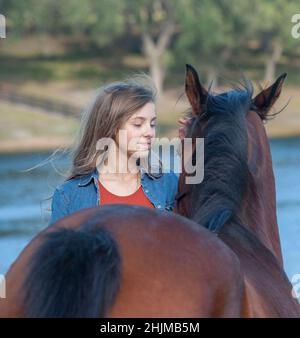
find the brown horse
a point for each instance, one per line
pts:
(237, 197)
(223, 259)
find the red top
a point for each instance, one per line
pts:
(137, 198)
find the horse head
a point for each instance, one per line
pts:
(238, 180)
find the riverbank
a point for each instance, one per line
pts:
(43, 144)
(33, 145)
(24, 128)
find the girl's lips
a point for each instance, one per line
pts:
(144, 143)
(143, 146)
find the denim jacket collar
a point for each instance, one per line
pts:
(94, 176)
(86, 179)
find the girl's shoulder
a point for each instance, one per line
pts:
(71, 185)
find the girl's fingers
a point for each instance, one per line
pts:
(181, 133)
(184, 120)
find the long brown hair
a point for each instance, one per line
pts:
(113, 105)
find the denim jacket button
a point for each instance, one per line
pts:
(159, 206)
(146, 190)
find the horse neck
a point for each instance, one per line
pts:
(259, 202)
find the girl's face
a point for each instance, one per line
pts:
(140, 128)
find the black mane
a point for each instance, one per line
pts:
(217, 199)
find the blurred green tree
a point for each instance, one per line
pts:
(212, 32)
(271, 26)
(155, 22)
(209, 34)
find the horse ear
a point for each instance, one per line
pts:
(195, 92)
(267, 97)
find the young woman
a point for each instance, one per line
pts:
(97, 175)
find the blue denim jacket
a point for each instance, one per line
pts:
(83, 192)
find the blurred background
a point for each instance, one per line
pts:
(57, 53)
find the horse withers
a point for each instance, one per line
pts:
(124, 261)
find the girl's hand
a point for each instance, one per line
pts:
(184, 121)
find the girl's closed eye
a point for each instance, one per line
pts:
(153, 125)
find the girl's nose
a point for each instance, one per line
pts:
(149, 131)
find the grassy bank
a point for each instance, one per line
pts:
(28, 129)
(72, 78)
(24, 128)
